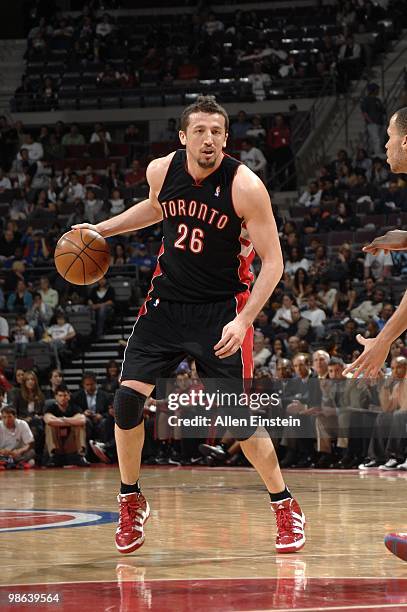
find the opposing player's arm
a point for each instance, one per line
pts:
(145, 213)
(252, 204)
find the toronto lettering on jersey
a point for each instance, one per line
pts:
(197, 210)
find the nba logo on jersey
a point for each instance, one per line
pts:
(217, 191)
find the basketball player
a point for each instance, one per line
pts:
(216, 213)
(376, 349)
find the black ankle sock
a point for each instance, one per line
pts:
(276, 497)
(125, 489)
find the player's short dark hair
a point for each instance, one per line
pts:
(203, 104)
(62, 388)
(401, 120)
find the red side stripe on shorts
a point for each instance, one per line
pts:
(157, 272)
(246, 349)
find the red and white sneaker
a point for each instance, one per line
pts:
(396, 543)
(134, 511)
(290, 526)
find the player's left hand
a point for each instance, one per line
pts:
(371, 360)
(232, 337)
(394, 240)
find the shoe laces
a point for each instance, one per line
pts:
(284, 519)
(129, 513)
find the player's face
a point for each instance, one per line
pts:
(205, 137)
(396, 148)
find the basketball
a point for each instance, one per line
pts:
(82, 256)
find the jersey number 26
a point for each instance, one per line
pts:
(193, 237)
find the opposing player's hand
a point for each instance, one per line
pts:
(371, 360)
(88, 226)
(394, 240)
(232, 337)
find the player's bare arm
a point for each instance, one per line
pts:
(143, 214)
(252, 203)
(394, 240)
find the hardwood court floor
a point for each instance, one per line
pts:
(209, 541)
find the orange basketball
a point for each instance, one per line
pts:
(82, 256)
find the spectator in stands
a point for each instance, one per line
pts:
(117, 204)
(349, 60)
(379, 266)
(345, 298)
(28, 402)
(19, 300)
(8, 244)
(56, 378)
(16, 441)
(119, 257)
(380, 173)
(54, 150)
(136, 176)
(104, 28)
(295, 260)
(369, 308)
(100, 133)
(212, 24)
(320, 265)
(48, 95)
(363, 162)
(109, 77)
(261, 323)
(49, 295)
(253, 158)
(278, 352)
(115, 177)
(348, 341)
(101, 300)
(132, 134)
(59, 336)
(111, 381)
(261, 353)
(374, 114)
(257, 132)
(94, 208)
(170, 133)
(387, 443)
(65, 431)
(21, 334)
(384, 315)
(393, 198)
(239, 128)
(289, 67)
(35, 149)
(315, 315)
(259, 81)
(326, 295)
(301, 286)
(312, 196)
(73, 189)
(94, 404)
(4, 331)
(283, 317)
(279, 146)
(300, 326)
(73, 137)
(39, 315)
(5, 182)
(145, 262)
(36, 251)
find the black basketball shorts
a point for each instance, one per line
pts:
(166, 332)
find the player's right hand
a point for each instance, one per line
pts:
(394, 240)
(88, 226)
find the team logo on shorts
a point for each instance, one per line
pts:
(217, 191)
(23, 520)
(156, 302)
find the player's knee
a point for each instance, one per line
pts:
(128, 407)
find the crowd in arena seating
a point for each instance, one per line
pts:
(98, 58)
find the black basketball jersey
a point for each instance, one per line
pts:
(206, 251)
